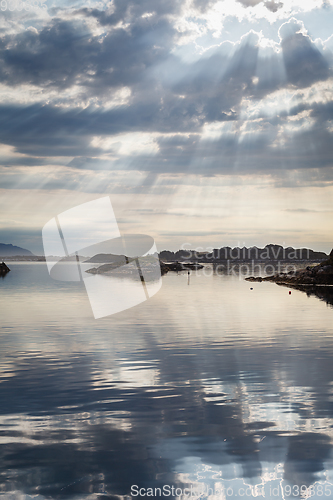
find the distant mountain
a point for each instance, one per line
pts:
(11, 250)
(268, 253)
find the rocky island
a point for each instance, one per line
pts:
(3, 269)
(117, 262)
(320, 274)
(270, 253)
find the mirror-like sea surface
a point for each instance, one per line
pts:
(208, 389)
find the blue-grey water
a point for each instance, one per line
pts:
(209, 388)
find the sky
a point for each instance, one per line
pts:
(208, 123)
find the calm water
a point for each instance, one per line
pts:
(210, 386)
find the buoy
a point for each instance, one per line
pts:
(289, 293)
(251, 288)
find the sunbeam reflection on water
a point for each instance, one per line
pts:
(208, 386)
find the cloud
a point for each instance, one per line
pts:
(303, 61)
(249, 3)
(119, 58)
(271, 5)
(298, 138)
(207, 117)
(28, 161)
(130, 10)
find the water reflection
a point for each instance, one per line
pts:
(209, 384)
(324, 293)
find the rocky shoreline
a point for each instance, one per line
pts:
(318, 275)
(3, 269)
(179, 266)
(149, 265)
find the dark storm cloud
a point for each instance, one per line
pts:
(65, 53)
(233, 155)
(28, 161)
(214, 86)
(128, 11)
(208, 96)
(42, 130)
(167, 96)
(304, 63)
(46, 130)
(54, 56)
(322, 112)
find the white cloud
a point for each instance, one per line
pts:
(128, 144)
(215, 130)
(291, 27)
